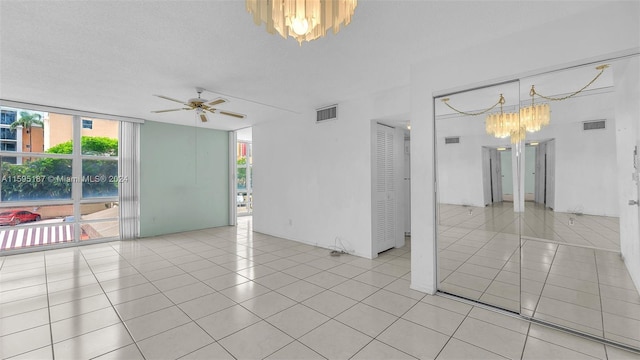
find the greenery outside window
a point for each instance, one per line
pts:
(60, 171)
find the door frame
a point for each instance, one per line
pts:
(492, 175)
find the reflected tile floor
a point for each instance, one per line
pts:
(581, 288)
(231, 293)
(572, 228)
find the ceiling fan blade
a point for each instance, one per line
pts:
(170, 99)
(239, 116)
(217, 101)
(203, 117)
(162, 111)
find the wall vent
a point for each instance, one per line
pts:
(452, 140)
(327, 113)
(594, 125)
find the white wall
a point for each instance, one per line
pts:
(627, 83)
(312, 182)
(460, 165)
(610, 28)
(586, 176)
(585, 161)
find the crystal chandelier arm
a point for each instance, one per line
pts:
(500, 102)
(601, 68)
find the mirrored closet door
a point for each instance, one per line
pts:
(576, 228)
(477, 182)
(537, 197)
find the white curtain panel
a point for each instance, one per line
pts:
(129, 152)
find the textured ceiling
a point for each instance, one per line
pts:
(111, 56)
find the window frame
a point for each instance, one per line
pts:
(76, 199)
(87, 124)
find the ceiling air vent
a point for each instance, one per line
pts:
(594, 125)
(327, 113)
(452, 140)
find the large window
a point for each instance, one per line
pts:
(60, 179)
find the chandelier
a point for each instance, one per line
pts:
(304, 20)
(502, 125)
(530, 118)
(536, 116)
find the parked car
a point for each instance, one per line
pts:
(15, 217)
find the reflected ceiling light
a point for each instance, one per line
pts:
(536, 116)
(304, 20)
(501, 149)
(533, 143)
(530, 118)
(502, 125)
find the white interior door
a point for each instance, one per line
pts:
(637, 180)
(385, 217)
(486, 176)
(506, 175)
(529, 173)
(496, 176)
(406, 180)
(550, 186)
(491, 176)
(541, 155)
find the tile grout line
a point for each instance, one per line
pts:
(111, 303)
(526, 339)
(275, 290)
(276, 271)
(454, 332)
(334, 317)
(546, 279)
(375, 338)
(595, 259)
(173, 304)
(237, 303)
(46, 278)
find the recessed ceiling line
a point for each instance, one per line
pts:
(253, 101)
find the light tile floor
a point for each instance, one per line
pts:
(226, 293)
(560, 281)
(537, 222)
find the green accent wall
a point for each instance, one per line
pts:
(184, 178)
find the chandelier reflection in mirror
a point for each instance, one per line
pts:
(304, 20)
(530, 118)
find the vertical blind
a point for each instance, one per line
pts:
(129, 150)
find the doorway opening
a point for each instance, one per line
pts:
(543, 163)
(390, 190)
(539, 173)
(244, 172)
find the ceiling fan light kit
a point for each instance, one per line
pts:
(304, 20)
(201, 106)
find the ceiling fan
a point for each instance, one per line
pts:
(201, 106)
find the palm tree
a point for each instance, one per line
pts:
(27, 120)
